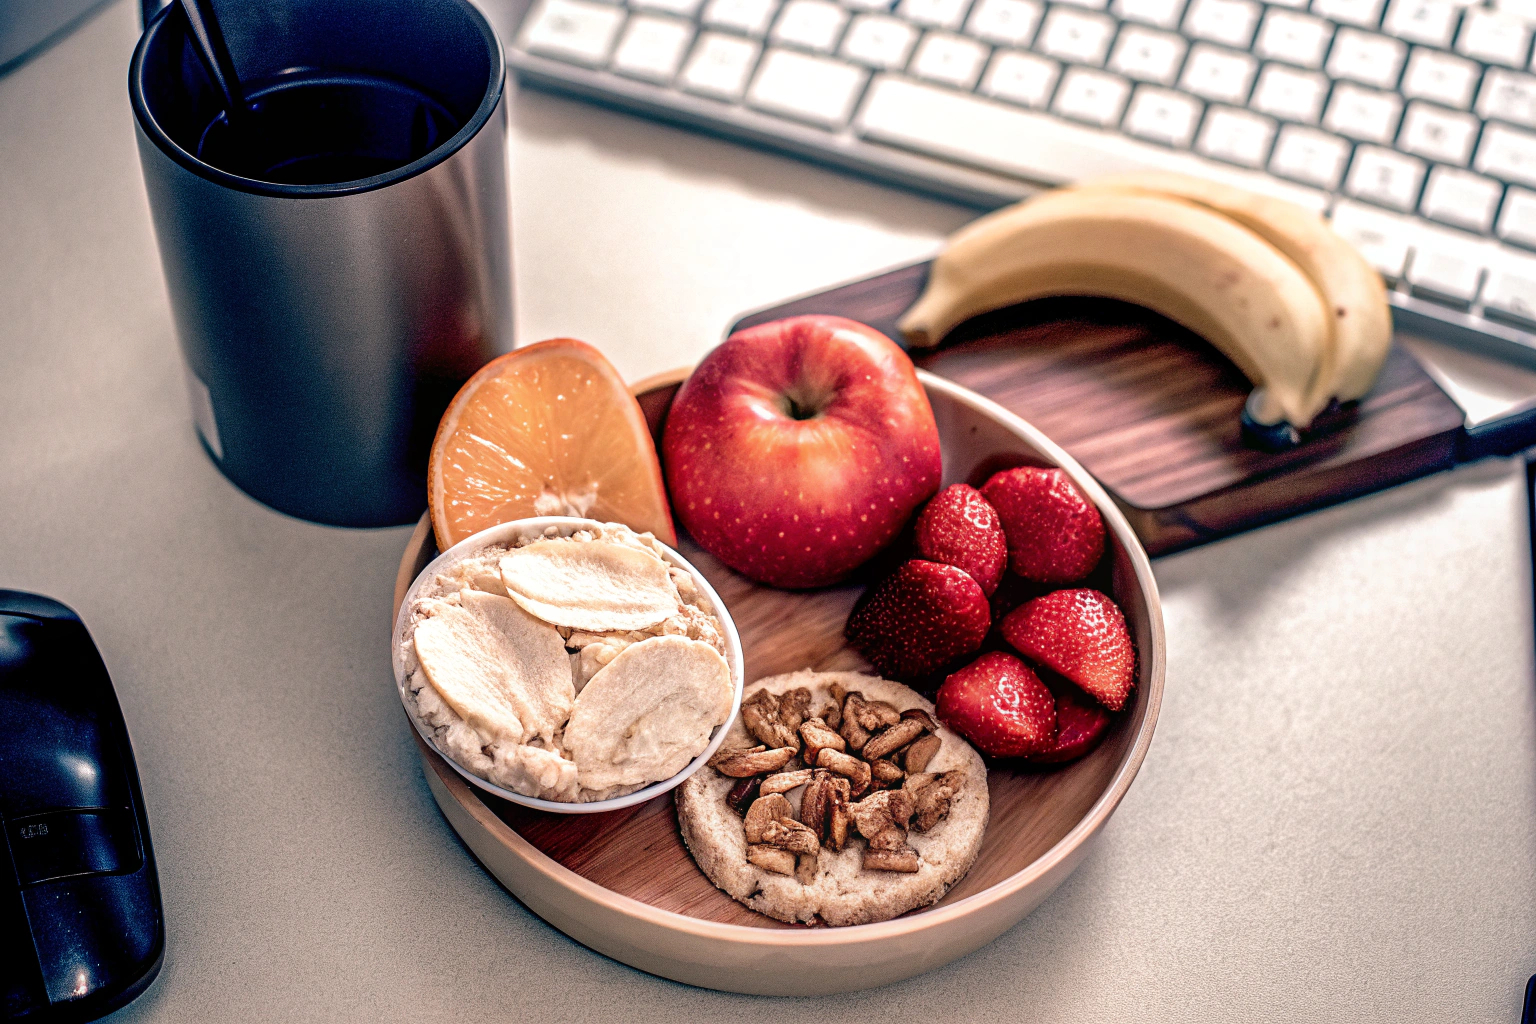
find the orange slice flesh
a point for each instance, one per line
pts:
(545, 430)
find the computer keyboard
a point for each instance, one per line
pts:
(1411, 123)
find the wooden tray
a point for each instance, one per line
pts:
(1152, 411)
(622, 882)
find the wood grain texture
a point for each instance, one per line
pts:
(638, 852)
(1152, 411)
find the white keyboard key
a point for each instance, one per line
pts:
(1384, 176)
(1362, 114)
(1221, 75)
(1431, 22)
(1091, 96)
(934, 13)
(1508, 96)
(1146, 55)
(1229, 22)
(1310, 156)
(719, 66)
(1289, 94)
(1365, 13)
(1162, 115)
(952, 60)
(1461, 198)
(1032, 144)
(1023, 78)
(1294, 38)
(652, 47)
(878, 6)
(1075, 36)
(572, 30)
(1508, 154)
(879, 41)
(1440, 77)
(1513, 295)
(1366, 58)
(1157, 13)
(1092, 5)
(1439, 134)
(1381, 238)
(681, 8)
(1517, 222)
(1444, 276)
(1494, 37)
(748, 16)
(813, 24)
(1004, 22)
(814, 89)
(1236, 136)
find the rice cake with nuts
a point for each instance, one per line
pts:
(841, 891)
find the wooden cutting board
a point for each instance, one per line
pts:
(1152, 411)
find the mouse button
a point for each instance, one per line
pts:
(96, 937)
(21, 979)
(45, 847)
(57, 720)
(19, 602)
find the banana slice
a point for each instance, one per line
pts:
(1197, 267)
(1353, 292)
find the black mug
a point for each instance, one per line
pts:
(339, 259)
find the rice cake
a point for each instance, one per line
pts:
(841, 892)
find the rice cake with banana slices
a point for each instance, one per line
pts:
(837, 889)
(497, 684)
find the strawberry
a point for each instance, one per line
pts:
(1080, 724)
(1080, 634)
(998, 704)
(919, 619)
(960, 528)
(1054, 533)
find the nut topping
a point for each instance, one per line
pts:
(885, 774)
(743, 793)
(931, 796)
(892, 860)
(921, 752)
(832, 714)
(769, 859)
(794, 707)
(740, 765)
(789, 834)
(783, 782)
(813, 802)
(817, 736)
(837, 816)
(765, 810)
(888, 839)
(857, 772)
(893, 739)
(760, 714)
(721, 755)
(929, 725)
(872, 714)
(889, 808)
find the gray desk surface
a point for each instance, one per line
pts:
(1337, 820)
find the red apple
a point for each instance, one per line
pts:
(800, 448)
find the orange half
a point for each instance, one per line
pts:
(545, 430)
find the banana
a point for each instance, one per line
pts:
(1196, 266)
(1351, 288)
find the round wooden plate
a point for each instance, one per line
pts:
(624, 884)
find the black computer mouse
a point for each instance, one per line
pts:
(81, 928)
